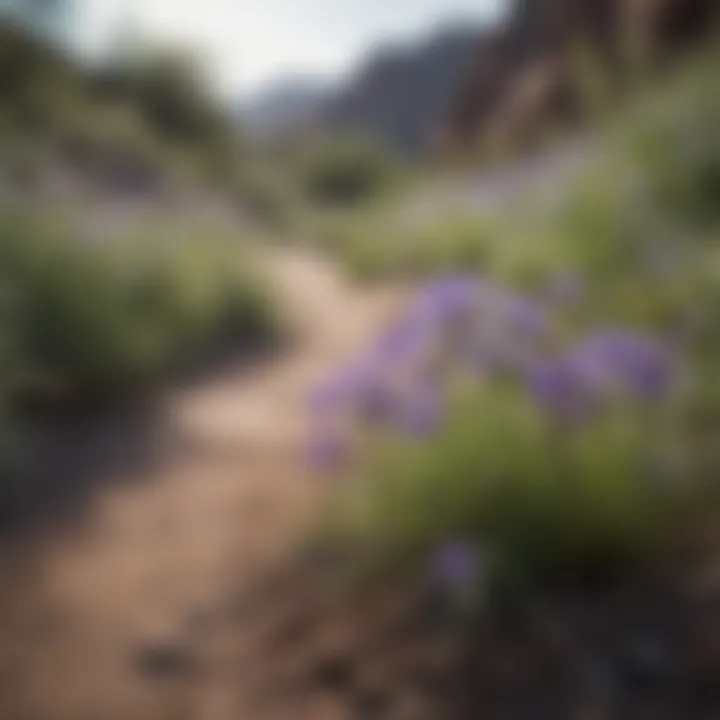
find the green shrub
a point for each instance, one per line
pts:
(96, 320)
(265, 197)
(377, 249)
(674, 137)
(547, 505)
(548, 502)
(344, 173)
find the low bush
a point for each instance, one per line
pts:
(567, 431)
(96, 319)
(86, 321)
(342, 173)
(376, 249)
(545, 505)
(265, 197)
(489, 421)
(674, 137)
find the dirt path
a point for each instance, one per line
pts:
(116, 617)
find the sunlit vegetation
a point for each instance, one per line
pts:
(547, 410)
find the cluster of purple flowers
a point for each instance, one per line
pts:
(466, 327)
(401, 381)
(462, 323)
(609, 364)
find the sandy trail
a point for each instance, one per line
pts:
(110, 618)
(122, 614)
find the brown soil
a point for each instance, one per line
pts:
(120, 610)
(175, 591)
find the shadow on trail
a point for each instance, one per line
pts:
(69, 453)
(61, 463)
(639, 649)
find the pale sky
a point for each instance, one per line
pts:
(250, 43)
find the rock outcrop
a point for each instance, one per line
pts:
(526, 76)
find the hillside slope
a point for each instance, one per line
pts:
(402, 94)
(527, 74)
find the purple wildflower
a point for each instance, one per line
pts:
(639, 363)
(649, 373)
(362, 387)
(403, 341)
(560, 386)
(332, 395)
(449, 297)
(526, 316)
(376, 399)
(455, 564)
(328, 450)
(458, 321)
(593, 368)
(422, 413)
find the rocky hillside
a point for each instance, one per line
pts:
(526, 74)
(401, 95)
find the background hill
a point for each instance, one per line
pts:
(398, 96)
(293, 103)
(401, 95)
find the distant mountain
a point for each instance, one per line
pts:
(399, 96)
(402, 94)
(290, 105)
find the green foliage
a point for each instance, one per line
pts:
(265, 195)
(36, 82)
(592, 82)
(344, 173)
(168, 89)
(136, 120)
(113, 146)
(654, 180)
(675, 139)
(97, 320)
(372, 247)
(545, 503)
(641, 232)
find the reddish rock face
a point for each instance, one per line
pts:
(526, 77)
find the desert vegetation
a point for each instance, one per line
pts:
(545, 405)
(481, 481)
